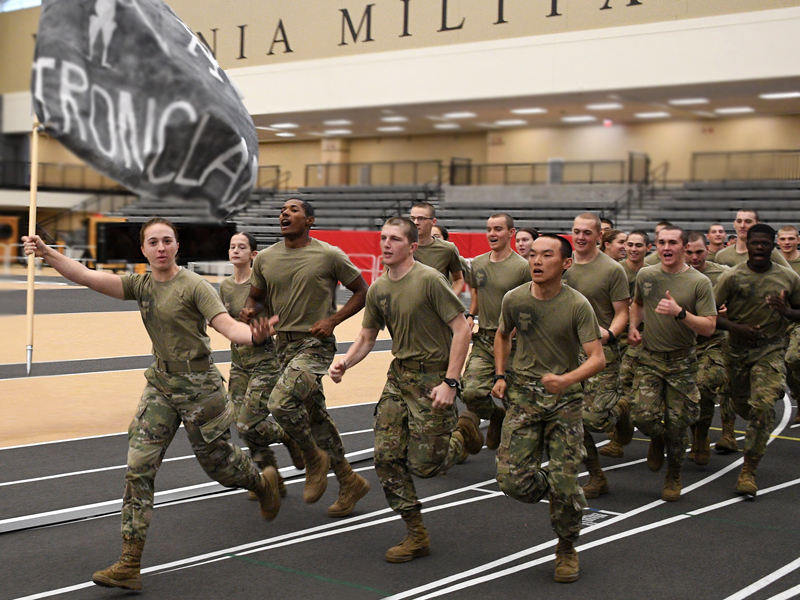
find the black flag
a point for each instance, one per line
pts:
(127, 87)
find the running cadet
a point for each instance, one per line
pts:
(717, 239)
(737, 253)
(439, 254)
(254, 369)
(493, 275)
(761, 297)
(417, 430)
(788, 241)
(183, 385)
(554, 326)
(602, 281)
(712, 379)
(296, 280)
(675, 303)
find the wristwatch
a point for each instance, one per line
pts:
(681, 315)
(498, 377)
(453, 383)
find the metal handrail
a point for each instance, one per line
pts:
(402, 172)
(538, 173)
(746, 165)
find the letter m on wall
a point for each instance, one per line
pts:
(347, 23)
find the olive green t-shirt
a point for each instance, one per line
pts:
(301, 282)
(233, 296)
(550, 333)
(794, 264)
(712, 270)
(416, 309)
(691, 290)
(175, 313)
(652, 259)
(630, 274)
(441, 255)
(493, 280)
(730, 257)
(603, 282)
(744, 293)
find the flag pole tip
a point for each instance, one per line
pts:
(30, 359)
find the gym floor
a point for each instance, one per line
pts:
(62, 461)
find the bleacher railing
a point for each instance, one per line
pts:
(411, 172)
(553, 172)
(752, 165)
(52, 176)
(269, 177)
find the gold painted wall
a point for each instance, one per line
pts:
(421, 147)
(292, 157)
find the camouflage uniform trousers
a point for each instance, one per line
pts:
(601, 393)
(667, 400)
(712, 378)
(537, 420)
(251, 381)
(411, 437)
(627, 369)
(297, 401)
(793, 361)
(757, 378)
(477, 378)
(199, 401)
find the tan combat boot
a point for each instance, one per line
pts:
(567, 568)
(468, 427)
(746, 483)
(415, 544)
(125, 573)
(727, 443)
(597, 484)
(672, 485)
(268, 493)
(702, 445)
(251, 495)
(623, 430)
(613, 449)
(655, 453)
(295, 453)
(317, 465)
(352, 488)
(495, 427)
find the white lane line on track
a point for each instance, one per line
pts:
(765, 581)
(790, 593)
(101, 469)
(613, 521)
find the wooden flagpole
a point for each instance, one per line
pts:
(32, 232)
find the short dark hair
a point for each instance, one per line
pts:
(609, 236)
(157, 221)
(566, 247)
(715, 225)
(697, 236)
(684, 237)
(761, 228)
(750, 210)
(307, 208)
(443, 229)
(643, 234)
(509, 219)
(412, 234)
(587, 216)
(607, 221)
(534, 233)
(251, 239)
(427, 206)
(663, 223)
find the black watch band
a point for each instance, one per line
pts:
(469, 316)
(497, 377)
(612, 339)
(453, 383)
(681, 315)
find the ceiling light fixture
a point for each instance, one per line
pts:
(511, 122)
(393, 128)
(579, 119)
(285, 134)
(447, 126)
(285, 125)
(338, 132)
(688, 101)
(780, 95)
(604, 106)
(460, 115)
(394, 119)
(734, 110)
(337, 122)
(529, 111)
(653, 115)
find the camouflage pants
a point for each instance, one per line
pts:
(793, 361)
(251, 383)
(297, 400)
(197, 400)
(757, 379)
(411, 437)
(667, 400)
(627, 370)
(537, 420)
(712, 379)
(477, 377)
(601, 393)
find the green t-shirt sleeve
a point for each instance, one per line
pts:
(506, 324)
(343, 268)
(443, 299)
(637, 289)
(705, 304)
(373, 317)
(257, 278)
(131, 286)
(721, 289)
(454, 266)
(619, 289)
(793, 293)
(588, 326)
(207, 301)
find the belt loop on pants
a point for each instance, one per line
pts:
(421, 367)
(183, 366)
(674, 354)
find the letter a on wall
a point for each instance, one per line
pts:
(127, 87)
